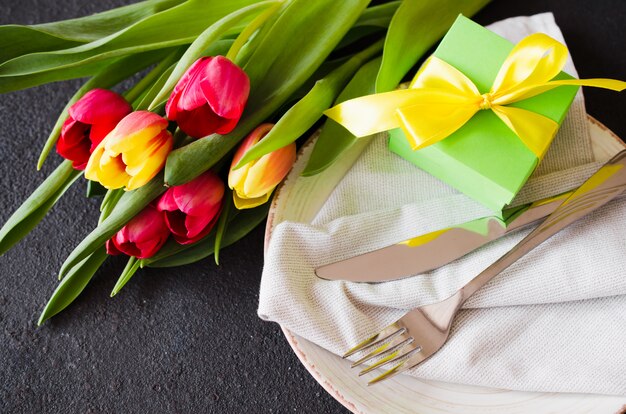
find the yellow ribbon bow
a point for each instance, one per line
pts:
(441, 99)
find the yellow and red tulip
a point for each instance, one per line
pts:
(254, 182)
(191, 210)
(142, 236)
(209, 98)
(133, 153)
(89, 120)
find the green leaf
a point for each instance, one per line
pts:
(321, 72)
(15, 83)
(414, 29)
(206, 38)
(222, 223)
(111, 75)
(34, 209)
(138, 90)
(248, 49)
(176, 26)
(334, 139)
(109, 202)
(129, 271)
(249, 31)
(73, 284)
(300, 39)
(172, 255)
(95, 189)
(374, 19)
(129, 205)
(354, 35)
(17, 40)
(379, 15)
(150, 94)
(304, 114)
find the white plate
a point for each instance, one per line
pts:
(405, 394)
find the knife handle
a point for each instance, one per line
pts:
(603, 186)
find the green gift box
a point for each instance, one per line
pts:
(484, 159)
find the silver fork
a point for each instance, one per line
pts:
(423, 331)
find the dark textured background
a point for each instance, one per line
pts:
(183, 340)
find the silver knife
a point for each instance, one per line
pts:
(433, 250)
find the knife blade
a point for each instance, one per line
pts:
(432, 250)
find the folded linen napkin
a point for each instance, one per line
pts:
(555, 321)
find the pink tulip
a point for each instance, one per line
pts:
(191, 210)
(142, 236)
(90, 119)
(209, 98)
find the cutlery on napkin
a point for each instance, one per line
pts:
(423, 331)
(528, 329)
(432, 250)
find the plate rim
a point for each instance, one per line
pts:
(293, 339)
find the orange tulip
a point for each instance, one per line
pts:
(254, 182)
(133, 153)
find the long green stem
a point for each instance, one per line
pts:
(221, 224)
(109, 202)
(129, 271)
(250, 30)
(140, 87)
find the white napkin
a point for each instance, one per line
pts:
(555, 321)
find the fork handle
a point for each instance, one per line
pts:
(603, 186)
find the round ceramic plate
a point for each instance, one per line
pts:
(405, 394)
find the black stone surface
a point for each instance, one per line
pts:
(183, 340)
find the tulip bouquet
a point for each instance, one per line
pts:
(186, 159)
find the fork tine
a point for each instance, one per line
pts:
(392, 355)
(408, 363)
(383, 350)
(390, 331)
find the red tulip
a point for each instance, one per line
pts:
(209, 98)
(90, 119)
(141, 237)
(191, 210)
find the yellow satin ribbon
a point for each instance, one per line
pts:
(441, 99)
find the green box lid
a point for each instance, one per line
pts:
(483, 159)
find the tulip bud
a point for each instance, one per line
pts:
(209, 98)
(90, 119)
(142, 236)
(133, 153)
(254, 182)
(191, 210)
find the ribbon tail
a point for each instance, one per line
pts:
(428, 123)
(533, 90)
(534, 130)
(370, 114)
(612, 84)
